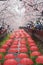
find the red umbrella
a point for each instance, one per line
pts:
(5, 46)
(2, 50)
(14, 46)
(30, 40)
(0, 56)
(23, 50)
(22, 36)
(39, 60)
(17, 36)
(22, 46)
(12, 50)
(8, 43)
(10, 40)
(35, 53)
(22, 55)
(21, 30)
(10, 62)
(23, 42)
(33, 48)
(26, 61)
(32, 44)
(27, 35)
(9, 56)
(22, 39)
(15, 42)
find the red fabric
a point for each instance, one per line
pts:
(5, 46)
(32, 44)
(33, 48)
(22, 55)
(23, 50)
(39, 60)
(9, 56)
(26, 61)
(2, 50)
(10, 62)
(12, 50)
(14, 46)
(35, 53)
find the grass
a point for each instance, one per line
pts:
(4, 40)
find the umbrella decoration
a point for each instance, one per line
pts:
(33, 48)
(14, 46)
(13, 50)
(26, 61)
(32, 44)
(15, 42)
(35, 53)
(9, 56)
(23, 50)
(22, 55)
(10, 62)
(2, 50)
(5, 46)
(39, 60)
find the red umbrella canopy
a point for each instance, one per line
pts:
(0, 56)
(9, 56)
(10, 40)
(5, 46)
(7, 43)
(21, 30)
(30, 40)
(23, 42)
(12, 50)
(14, 46)
(22, 39)
(32, 44)
(26, 61)
(22, 46)
(2, 50)
(22, 35)
(15, 42)
(17, 36)
(33, 48)
(39, 60)
(23, 50)
(27, 35)
(10, 62)
(22, 55)
(35, 53)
